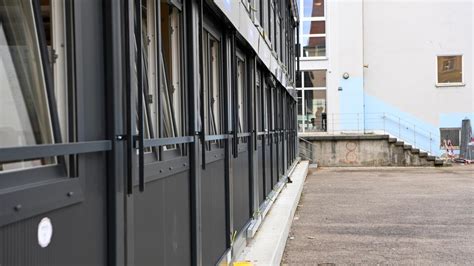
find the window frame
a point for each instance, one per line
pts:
(303, 89)
(302, 35)
(157, 141)
(60, 181)
(215, 141)
(47, 73)
(448, 84)
(301, 76)
(302, 16)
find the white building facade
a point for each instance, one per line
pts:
(402, 67)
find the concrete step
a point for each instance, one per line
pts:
(438, 162)
(423, 154)
(392, 140)
(407, 147)
(430, 158)
(399, 143)
(415, 151)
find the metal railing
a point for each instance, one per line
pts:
(374, 123)
(306, 151)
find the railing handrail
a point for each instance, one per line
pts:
(388, 115)
(310, 150)
(364, 121)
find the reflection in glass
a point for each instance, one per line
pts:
(240, 95)
(313, 46)
(300, 110)
(450, 69)
(24, 110)
(314, 110)
(298, 80)
(170, 88)
(313, 8)
(314, 79)
(314, 27)
(212, 86)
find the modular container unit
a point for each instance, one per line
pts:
(141, 132)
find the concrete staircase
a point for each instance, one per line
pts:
(336, 150)
(405, 155)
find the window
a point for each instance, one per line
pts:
(449, 70)
(271, 22)
(264, 13)
(149, 69)
(300, 110)
(313, 8)
(172, 88)
(312, 100)
(313, 46)
(314, 109)
(311, 79)
(25, 115)
(213, 100)
(450, 136)
(165, 119)
(259, 115)
(314, 79)
(313, 28)
(241, 96)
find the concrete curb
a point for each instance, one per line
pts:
(268, 245)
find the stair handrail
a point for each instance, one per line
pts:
(311, 150)
(377, 117)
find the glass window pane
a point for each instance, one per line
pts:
(171, 76)
(259, 104)
(240, 95)
(314, 79)
(314, 27)
(298, 80)
(313, 46)
(300, 110)
(313, 8)
(450, 69)
(315, 110)
(24, 109)
(212, 86)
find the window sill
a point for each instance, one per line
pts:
(318, 58)
(438, 85)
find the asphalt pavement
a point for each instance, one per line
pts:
(384, 216)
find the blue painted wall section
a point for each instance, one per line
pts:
(379, 115)
(402, 125)
(408, 127)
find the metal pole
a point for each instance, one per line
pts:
(399, 129)
(383, 123)
(430, 142)
(414, 134)
(357, 122)
(333, 123)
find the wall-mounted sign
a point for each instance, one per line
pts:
(45, 232)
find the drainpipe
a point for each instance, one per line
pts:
(363, 64)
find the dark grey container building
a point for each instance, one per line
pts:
(141, 132)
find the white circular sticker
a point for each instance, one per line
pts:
(45, 232)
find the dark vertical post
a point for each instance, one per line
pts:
(192, 9)
(252, 115)
(201, 84)
(229, 172)
(130, 130)
(114, 58)
(159, 54)
(140, 124)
